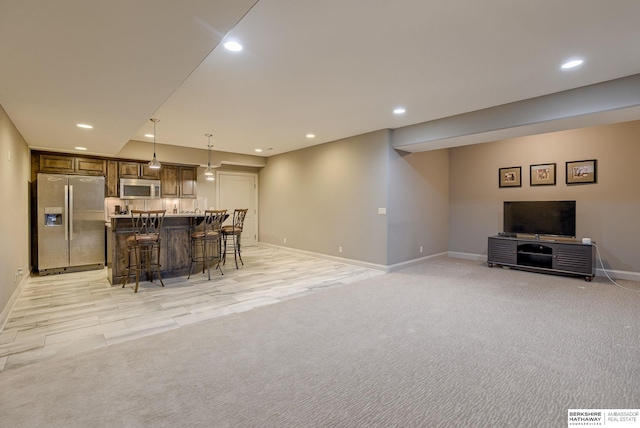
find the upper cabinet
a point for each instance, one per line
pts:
(90, 166)
(54, 163)
(129, 169)
(188, 178)
(178, 181)
(71, 165)
(111, 179)
(150, 173)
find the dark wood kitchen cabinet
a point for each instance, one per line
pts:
(129, 169)
(56, 164)
(149, 173)
(61, 164)
(178, 181)
(90, 166)
(111, 180)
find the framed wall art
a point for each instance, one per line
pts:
(543, 174)
(582, 172)
(509, 177)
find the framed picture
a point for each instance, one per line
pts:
(543, 175)
(582, 172)
(509, 177)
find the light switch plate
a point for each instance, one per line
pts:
(382, 211)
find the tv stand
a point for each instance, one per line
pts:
(539, 255)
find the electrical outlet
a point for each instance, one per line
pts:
(285, 240)
(339, 249)
(18, 274)
(420, 248)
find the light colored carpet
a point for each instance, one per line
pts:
(449, 343)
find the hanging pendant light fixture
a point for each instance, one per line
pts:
(209, 172)
(154, 164)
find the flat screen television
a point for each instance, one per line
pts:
(556, 218)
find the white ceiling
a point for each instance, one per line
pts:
(335, 68)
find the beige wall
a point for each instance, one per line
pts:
(327, 196)
(608, 212)
(418, 207)
(14, 216)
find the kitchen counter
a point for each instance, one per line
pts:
(108, 222)
(188, 215)
(175, 241)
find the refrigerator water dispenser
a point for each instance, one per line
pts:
(53, 216)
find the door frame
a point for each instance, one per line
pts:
(255, 194)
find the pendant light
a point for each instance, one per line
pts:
(209, 172)
(154, 164)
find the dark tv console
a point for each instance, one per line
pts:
(566, 257)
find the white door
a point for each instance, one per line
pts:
(240, 190)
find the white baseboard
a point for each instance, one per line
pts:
(6, 312)
(384, 268)
(619, 274)
(413, 262)
(328, 257)
(467, 256)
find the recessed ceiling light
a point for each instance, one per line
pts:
(84, 125)
(148, 135)
(81, 148)
(258, 150)
(399, 110)
(572, 63)
(233, 46)
(311, 135)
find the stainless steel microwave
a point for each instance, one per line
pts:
(135, 188)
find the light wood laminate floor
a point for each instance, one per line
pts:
(61, 315)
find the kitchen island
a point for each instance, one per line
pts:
(175, 240)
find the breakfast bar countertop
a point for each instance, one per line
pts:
(183, 214)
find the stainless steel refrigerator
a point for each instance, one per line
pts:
(71, 226)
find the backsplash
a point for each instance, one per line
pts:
(181, 206)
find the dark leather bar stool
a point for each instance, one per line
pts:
(143, 247)
(206, 244)
(234, 231)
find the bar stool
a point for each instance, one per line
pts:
(235, 231)
(208, 241)
(144, 244)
